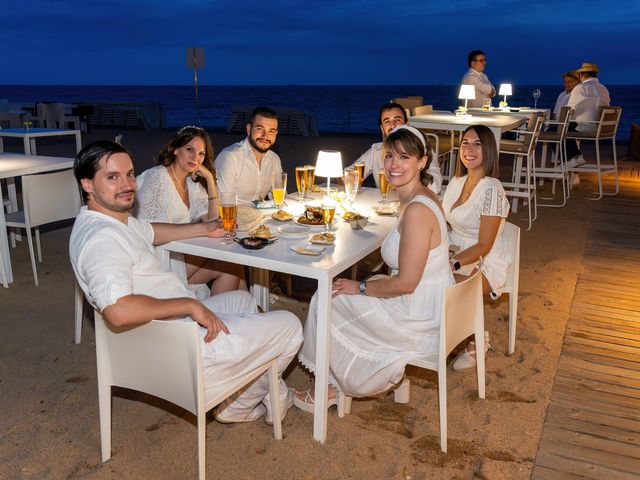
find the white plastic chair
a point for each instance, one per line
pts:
(46, 198)
(162, 358)
(511, 235)
(3, 274)
(462, 316)
(78, 301)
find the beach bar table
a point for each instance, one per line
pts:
(512, 111)
(350, 247)
(16, 165)
(29, 137)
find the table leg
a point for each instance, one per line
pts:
(4, 244)
(322, 359)
(497, 133)
(78, 142)
(260, 288)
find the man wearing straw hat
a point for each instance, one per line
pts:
(585, 99)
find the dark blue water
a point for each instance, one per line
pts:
(336, 108)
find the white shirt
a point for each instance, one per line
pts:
(482, 85)
(561, 101)
(585, 99)
(238, 171)
(112, 259)
(373, 163)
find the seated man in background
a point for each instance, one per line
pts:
(391, 115)
(569, 80)
(115, 263)
(246, 167)
(585, 99)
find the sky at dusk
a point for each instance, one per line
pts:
(324, 42)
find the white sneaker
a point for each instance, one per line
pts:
(574, 179)
(466, 359)
(576, 161)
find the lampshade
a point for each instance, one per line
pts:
(505, 89)
(329, 164)
(467, 92)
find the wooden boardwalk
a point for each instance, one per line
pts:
(592, 426)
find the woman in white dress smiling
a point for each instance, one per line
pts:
(379, 324)
(476, 207)
(182, 189)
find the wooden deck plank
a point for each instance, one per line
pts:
(592, 426)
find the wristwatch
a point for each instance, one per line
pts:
(362, 288)
(456, 265)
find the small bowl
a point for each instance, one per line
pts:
(254, 243)
(514, 109)
(358, 223)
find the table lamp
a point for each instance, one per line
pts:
(467, 92)
(505, 89)
(329, 164)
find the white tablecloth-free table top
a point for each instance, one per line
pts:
(29, 136)
(350, 247)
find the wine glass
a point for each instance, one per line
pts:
(351, 180)
(228, 214)
(278, 187)
(536, 96)
(301, 181)
(328, 206)
(383, 183)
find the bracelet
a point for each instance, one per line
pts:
(214, 198)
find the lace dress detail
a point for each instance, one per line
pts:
(159, 201)
(373, 338)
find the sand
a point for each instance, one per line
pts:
(49, 426)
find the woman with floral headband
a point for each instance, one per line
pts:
(379, 324)
(182, 189)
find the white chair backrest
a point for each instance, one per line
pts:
(463, 311)
(511, 235)
(161, 358)
(50, 197)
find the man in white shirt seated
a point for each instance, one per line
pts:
(391, 115)
(475, 76)
(585, 99)
(569, 80)
(114, 261)
(246, 167)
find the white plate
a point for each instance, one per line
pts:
(321, 242)
(385, 210)
(294, 230)
(314, 227)
(308, 249)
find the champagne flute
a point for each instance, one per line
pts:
(383, 183)
(536, 96)
(301, 181)
(278, 187)
(328, 206)
(309, 180)
(228, 214)
(351, 183)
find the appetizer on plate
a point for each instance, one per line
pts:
(308, 249)
(312, 216)
(323, 238)
(261, 231)
(348, 216)
(281, 216)
(385, 210)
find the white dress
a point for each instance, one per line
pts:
(157, 200)
(488, 198)
(372, 338)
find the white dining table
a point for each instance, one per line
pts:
(30, 135)
(511, 111)
(14, 165)
(350, 246)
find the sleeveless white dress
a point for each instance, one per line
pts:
(157, 200)
(372, 338)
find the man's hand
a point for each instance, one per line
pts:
(208, 320)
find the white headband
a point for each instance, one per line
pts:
(415, 131)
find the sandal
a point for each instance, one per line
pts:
(308, 404)
(466, 359)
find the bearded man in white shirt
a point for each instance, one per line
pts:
(114, 261)
(475, 76)
(246, 168)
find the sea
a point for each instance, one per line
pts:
(337, 109)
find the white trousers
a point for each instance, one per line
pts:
(254, 339)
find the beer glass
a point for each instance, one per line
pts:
(309, 180)
(300, 181)
(383, 183)
(359, 167)
(278, 187)
(228, 213)
(328, 206)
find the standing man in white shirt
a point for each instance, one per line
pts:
(475, 76)
(391, 115)
(246, 167)
(114, 261)
(585, 99)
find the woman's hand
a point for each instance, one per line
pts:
(202, 171)
(343, 286)
(213, 228)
